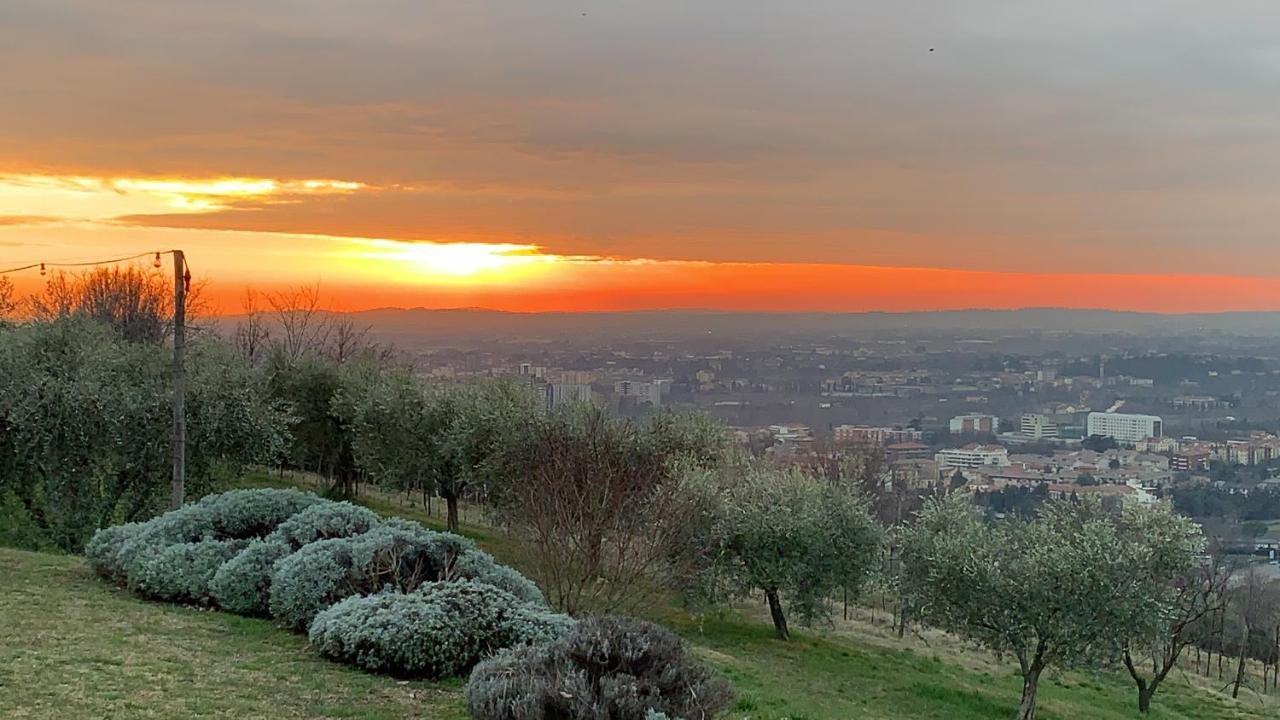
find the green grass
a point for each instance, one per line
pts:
(72, 646)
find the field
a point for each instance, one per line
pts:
(72, 647)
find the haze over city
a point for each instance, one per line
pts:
(603, 156)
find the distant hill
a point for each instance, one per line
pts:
(407, 325)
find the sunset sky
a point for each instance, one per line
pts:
(753, 154)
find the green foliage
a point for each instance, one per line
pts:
(1068, 588)
(441, 630)
(257, 512)
(481, 566)
(326, 521)
(103, 550)
(614, 668)
(180, 573)
(85, 424)
(784, 532)
(243, 584)
(397, 555)
(398, 435)
(187, 524)
(319, 438)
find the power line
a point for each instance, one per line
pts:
(91, 263)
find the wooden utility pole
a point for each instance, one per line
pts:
(179, 377)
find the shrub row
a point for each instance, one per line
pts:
(394, 596)
(440, 630)
(390, 596)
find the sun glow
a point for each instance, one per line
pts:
(456, 262)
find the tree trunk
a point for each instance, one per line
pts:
(1235, 690)
(1030, 683)
(452, 502)
(1144, 697)
(775, 610)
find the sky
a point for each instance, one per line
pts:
(592, 155)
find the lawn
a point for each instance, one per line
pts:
(72, 646)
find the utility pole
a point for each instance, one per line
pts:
(179, 377)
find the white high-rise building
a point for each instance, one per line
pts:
(1037, 427)
(1125, 427)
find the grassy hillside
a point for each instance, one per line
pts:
(72, 646)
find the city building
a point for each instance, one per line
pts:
(1125, 427)
(972, 456)
(1190, 460)
(558, 394)
(639, 392)
(843, 434)
(975, 424)
(1037, 427)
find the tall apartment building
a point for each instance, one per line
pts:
(1125, 427)
(1037, 426)
(558, 394)
(639, 392)
(975, 424)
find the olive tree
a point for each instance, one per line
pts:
(1066, 588)
(396, 430)
(86, 424)
(482, 421)
(786, 533)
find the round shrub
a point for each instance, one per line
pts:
(395, 555)
(442, 630)
(103, 550)
(243, 584)
(187, 524)
(604, 669)
(325, 521)
(181, 573)
(481, 566)
(257, 512)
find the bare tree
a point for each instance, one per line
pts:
(304, 326)
(136, 303)
(600, 513)
(252, 335)
(8, 299)
(346, 339)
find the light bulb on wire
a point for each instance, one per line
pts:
(156, 264)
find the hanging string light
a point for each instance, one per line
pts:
(156, 264)
(44, 266)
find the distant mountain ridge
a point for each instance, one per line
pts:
(471, 322)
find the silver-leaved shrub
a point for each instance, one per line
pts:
(243, 584)
(441, 630)
(181, 573)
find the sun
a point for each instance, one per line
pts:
(460, 262)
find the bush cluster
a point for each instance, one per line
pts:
(324, 522)
(395, 555)
(440, 630)
(604, 669)
(182, 572)
(386, 595)
(255, 513)
(243, 584)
